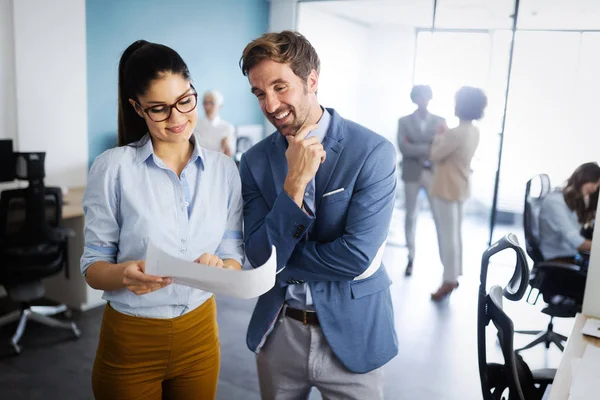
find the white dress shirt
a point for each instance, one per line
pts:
(299, 295)
(560, 230)
(132, 198)
(210, 134)
(423, 122)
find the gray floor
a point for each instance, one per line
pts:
(438, 353)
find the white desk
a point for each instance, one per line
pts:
(576, 346)
(72, 207)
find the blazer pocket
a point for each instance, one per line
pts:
(374, 284)
(336, 197)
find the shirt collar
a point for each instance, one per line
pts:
(323, 123)
(418, 118)
(197, 154)
(145, 150)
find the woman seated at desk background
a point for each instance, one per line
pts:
(565, 211)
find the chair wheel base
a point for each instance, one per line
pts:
(76, 331)
(15, 349)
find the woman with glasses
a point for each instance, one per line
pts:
(158, 340)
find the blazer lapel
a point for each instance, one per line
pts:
(278, 163)
(432, 127)
(333, 148)
(415, 127)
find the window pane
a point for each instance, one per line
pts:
(540, 135)
(448, 60)
(586, 103)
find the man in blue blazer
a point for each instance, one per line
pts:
(321, 190)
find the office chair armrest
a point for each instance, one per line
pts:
(543, 266)
(552, 265)
(557, 279)
(544, 376)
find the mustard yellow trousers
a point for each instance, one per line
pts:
(158, 359)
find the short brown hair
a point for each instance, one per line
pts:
(286, 47)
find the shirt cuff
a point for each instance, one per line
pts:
(92, 254)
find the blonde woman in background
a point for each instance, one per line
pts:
(451, 154)
(212, 132)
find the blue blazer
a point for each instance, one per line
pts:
(328, 251)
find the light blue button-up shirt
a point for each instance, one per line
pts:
(132, 197)
(299, 296)
(560, 230)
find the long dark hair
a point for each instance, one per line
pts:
(585, 173)
(140, 64)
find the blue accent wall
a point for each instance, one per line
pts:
(210, 35)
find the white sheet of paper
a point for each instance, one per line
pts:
(244, 284)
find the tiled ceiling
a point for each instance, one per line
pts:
(473, 14)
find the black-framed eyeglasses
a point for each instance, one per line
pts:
(162, 112)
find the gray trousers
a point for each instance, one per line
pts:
(296, 357)
(411, 197)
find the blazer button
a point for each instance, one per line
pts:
(301, 227)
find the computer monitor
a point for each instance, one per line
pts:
(30, 166)
(7, 161)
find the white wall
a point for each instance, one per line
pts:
(8, 118)
(282, 15)
(366, 71)
(343, 58)
(51, 87)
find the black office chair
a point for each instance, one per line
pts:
(32, 247)
(513, 379)
(561, 284)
